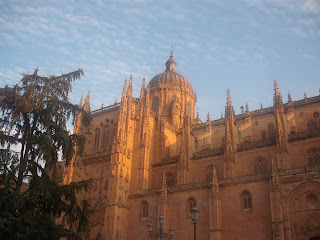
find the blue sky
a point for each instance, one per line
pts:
(242, 45)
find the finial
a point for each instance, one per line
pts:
(102, 105)
(276, 88)
(86, 106)
(289, 97)
(197, 112)
(115, 102)
(228, 98)
(247, 107)
(261, 106)
(35, 73)
(221, 115)
(208, 117)
(305, 95)
(171, 64)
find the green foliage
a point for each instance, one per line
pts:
(34, 114)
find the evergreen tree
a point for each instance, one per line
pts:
(34, 115)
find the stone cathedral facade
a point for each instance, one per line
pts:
(254, 175)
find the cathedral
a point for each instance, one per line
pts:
(252, 176)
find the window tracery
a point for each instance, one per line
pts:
(246, 201)
(191, 203)
(209, 174)
(106, 136)
(144, 210)
(312, 125)
(97, 138)
(271, 132)
(260, 166)
(314, 157)
(169, 179)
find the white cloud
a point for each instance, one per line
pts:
(312, 6)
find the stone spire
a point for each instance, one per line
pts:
(247, 113)
(86, 106)
(124, 91)
(171, 64)
(289, 97)
(129, 93)
(81, 102)
(281, 137)
(277, 99)
(228, 98)
(142, 92)
(229, 154)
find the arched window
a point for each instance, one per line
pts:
(155, 104)
(271, 132)
(144, 210)
(312, 125)
(106, 136)
(246, 201)
(264, 135)
(190, 204)
(97, 138)
(209, 174)
(314, 157)
(169, 179)
(260, 166)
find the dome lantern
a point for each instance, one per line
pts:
(171, 64)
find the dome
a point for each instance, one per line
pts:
(170, 76)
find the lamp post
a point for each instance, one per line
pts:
(160, 234)
(194, 216)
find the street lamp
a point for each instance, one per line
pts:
(160, 234)
(194, 216)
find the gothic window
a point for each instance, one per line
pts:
(209, 174)
(260, 166)
(191, 203)
(106, 136)
(169, 179)
(271, 132)
(312, 125)
(246, 201)
(97, 138)
(264, 135)
(315, 115)
(144, 210)
(314, 157)
(155, 104)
